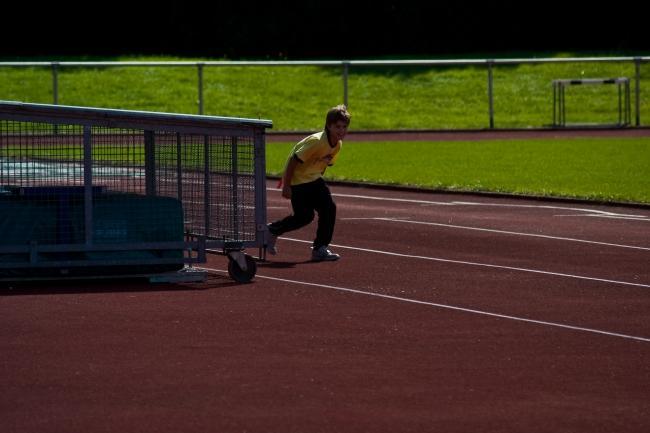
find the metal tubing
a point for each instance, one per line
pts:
(628, 107)
(260, 191)
(422, 62)
(554, 85)
(563, 105)
(490, 93)
(346, 70)
(200, 85)
(637, 90)
(346, 64)
(620, 104)
(206, 184)
(235, 188)
(149, 163)
(111, 118)
(179, 168)
(191, 183)
(55, 83)
(55, 90)
(88, 185)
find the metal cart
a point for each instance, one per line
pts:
(89, 191)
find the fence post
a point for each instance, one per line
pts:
(88, 185)
(490, 62)
(55, 82)
(637, 89)
(200, 85)
(150, 163)
(346, 70)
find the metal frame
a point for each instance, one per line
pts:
(559, 98)
(345, 66)
(197, 241)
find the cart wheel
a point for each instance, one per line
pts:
(238, 274)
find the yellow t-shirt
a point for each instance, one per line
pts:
(311, 153)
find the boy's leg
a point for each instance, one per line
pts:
(326, 209)
(303, 211)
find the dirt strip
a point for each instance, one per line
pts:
(469, 135)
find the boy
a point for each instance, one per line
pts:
(304, 185)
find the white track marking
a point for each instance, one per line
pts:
(589, 212)
(485, 265)
(400, 220)
(609, 216)
(470, 203)
(398, 200)
(532, 206)
(450, 307)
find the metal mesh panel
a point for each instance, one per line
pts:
(39, 154)
(118, 159)
(84, 179)
(217, 187)
(42, 166)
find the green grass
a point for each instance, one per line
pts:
(295, 98)
(608, 169)
(597, 169)
(406, 97)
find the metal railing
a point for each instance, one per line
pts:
(99, 187)
(345, 66)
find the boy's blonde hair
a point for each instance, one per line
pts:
(340, 112)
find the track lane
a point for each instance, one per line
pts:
(570, 282)
(274, 356)
(288, 356)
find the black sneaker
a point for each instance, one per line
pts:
(323, 254)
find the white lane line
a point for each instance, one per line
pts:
(608, 216)
(470, 203)
(485, 265)
(450, 307)
(398, 200)
(400, 220)
(532, 206)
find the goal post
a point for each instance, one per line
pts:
(559, 99)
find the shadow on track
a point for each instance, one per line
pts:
(108, 285)
(284, 265)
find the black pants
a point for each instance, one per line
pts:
(305, 199)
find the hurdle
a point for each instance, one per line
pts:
(559, 98)
(91, 192)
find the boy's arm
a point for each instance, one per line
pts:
(288, 175)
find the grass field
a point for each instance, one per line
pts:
(603, 169)
(404, 97)
(597, 169)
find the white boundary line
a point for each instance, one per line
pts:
(532, 206)
(498, 231)
(470, 203)
(611, 217)
(450, 307)
(486, 265)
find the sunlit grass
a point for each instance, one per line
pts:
(598, 169)
(380, 97)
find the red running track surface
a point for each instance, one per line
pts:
(446, 313)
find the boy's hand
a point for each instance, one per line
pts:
(286, 191)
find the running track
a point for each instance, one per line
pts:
(447, 313)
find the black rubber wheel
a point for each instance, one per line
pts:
(238, 274)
